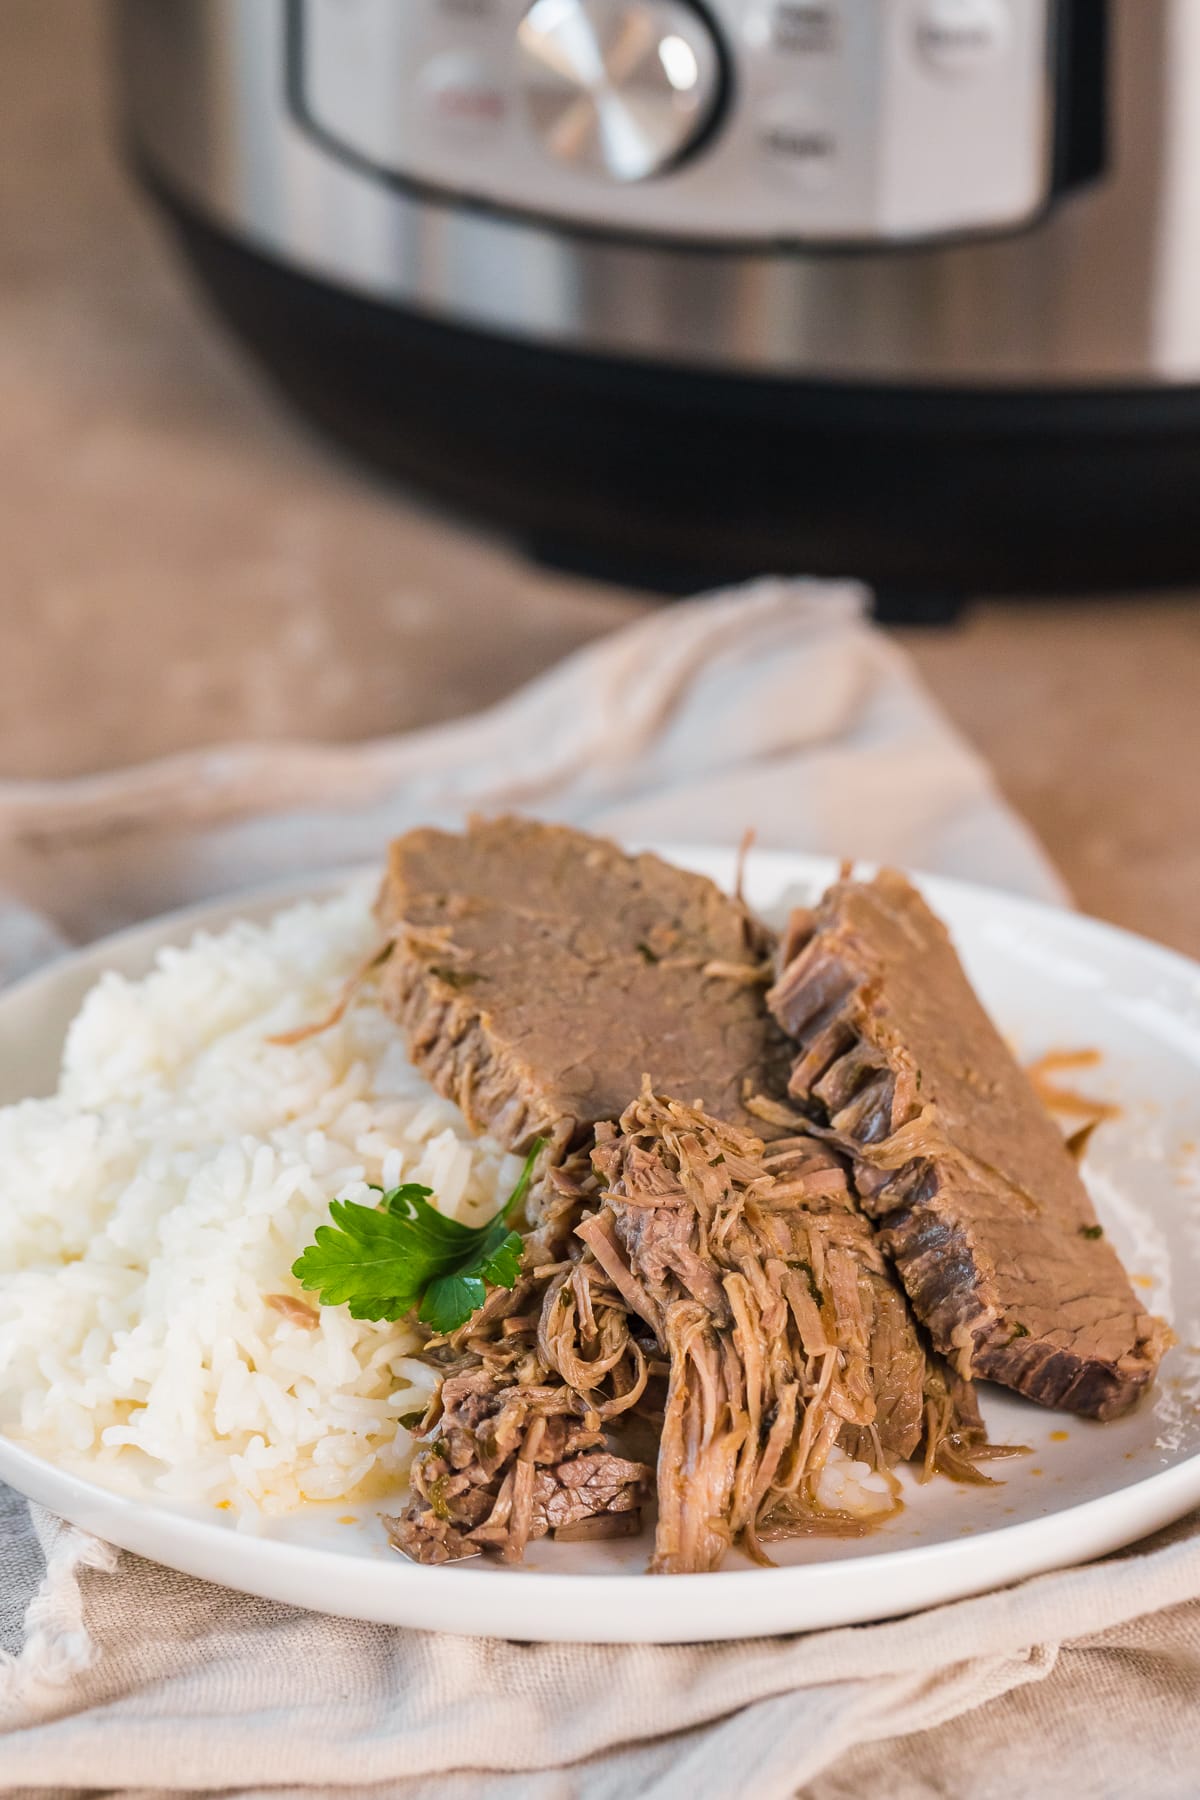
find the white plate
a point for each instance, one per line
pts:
(1051, 979)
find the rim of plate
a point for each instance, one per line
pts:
(739, 1603)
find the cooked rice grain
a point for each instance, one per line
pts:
(152, 1209)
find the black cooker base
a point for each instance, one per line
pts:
(679, 479)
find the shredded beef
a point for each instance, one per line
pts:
(509, 1464)
(765, 1292)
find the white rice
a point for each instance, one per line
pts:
(150, 1208)
(845, 1485)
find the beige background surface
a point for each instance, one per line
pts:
(180, 562)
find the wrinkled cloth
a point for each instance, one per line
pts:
(775, 708)
(1084, 1682)
(778, 708)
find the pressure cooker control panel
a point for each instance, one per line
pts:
(862, 121)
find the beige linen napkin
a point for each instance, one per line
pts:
(777, 707)
(180, 1687)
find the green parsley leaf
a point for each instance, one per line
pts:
(450, 1300)
(401, 1256)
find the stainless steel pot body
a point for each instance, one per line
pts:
(1098, 287)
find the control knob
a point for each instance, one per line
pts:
(619, 88)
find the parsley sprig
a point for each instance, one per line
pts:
(402, 1255)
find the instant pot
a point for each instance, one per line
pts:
(908, 289)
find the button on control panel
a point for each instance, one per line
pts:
(822, 121)
(464, 92)
(962, 36)
(801, 27)
(801, 144)
(467, 9)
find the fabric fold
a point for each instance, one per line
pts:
(776, 707)
(328, 1703)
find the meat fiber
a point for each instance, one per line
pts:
(509, 1464)
(977, 1198)
(771, 1304)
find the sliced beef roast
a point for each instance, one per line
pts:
(978, 1201)
(539, 974)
